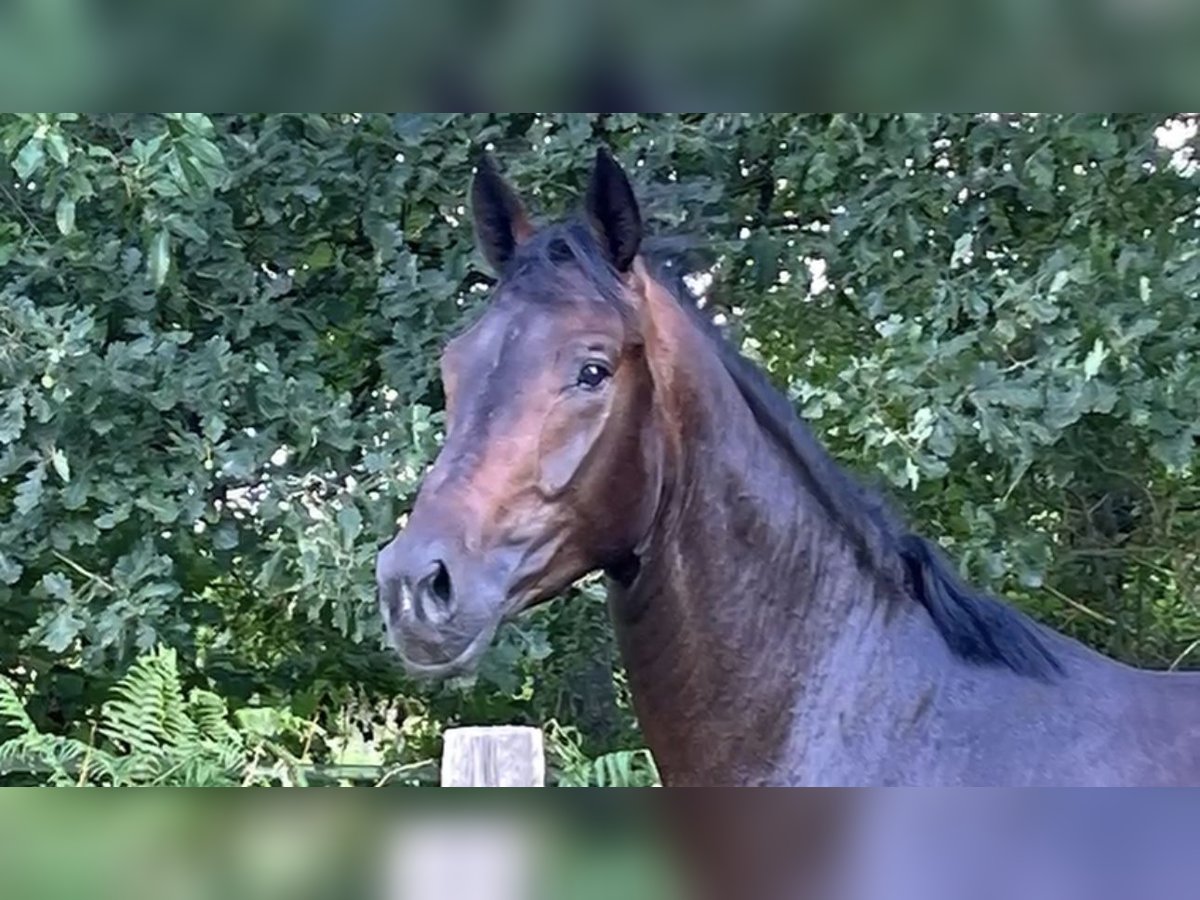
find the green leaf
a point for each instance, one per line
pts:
(143, 151)
(1095, 358)
(156, 590)
(962, 249)
(213, 428)
(350, 522)
(205, 151)
(1176, 452)
(225, 537)
(198, 123)
(262, 722)
(321, 256)
(1060, 280)
(164, 509)
(1104, 143)
(58, 459)
(158, 260)
(186, 227)
(57, 586)
(10, 570)
(30, 158)
(113, 518)
(1010, 395)
(29, 493)
(58, 147)
(12, 417)
(63, 628)
(412, 127)
(64, 215)
(1040, 168)
(75, 495)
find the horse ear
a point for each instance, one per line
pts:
(613, 211)
(500, 219)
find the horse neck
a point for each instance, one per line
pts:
(745, 592)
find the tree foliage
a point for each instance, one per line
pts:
(218, 346)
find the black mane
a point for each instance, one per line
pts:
(978, 628)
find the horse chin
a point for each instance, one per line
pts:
(465, 663)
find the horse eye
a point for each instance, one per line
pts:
(593, 375)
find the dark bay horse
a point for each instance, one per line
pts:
(779, 625)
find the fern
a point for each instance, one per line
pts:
(57, 756)
(620, 768)
(625, 768)
(12, 709)
(145, 718)
(167, 738)
(151, 733)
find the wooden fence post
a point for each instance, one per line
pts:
(493, 756)
(446, 856)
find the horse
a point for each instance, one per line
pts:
(779, 623)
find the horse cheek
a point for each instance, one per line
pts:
(564, 448)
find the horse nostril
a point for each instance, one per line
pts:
(439, 584)
(433, 595)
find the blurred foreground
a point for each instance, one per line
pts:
(367, 53)
(421, 845)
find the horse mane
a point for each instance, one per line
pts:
(977, 628)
